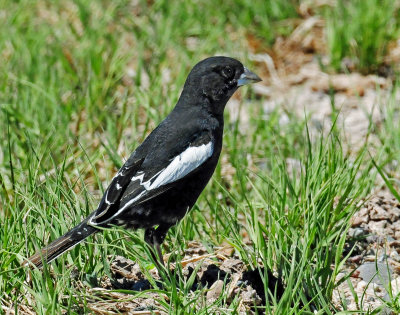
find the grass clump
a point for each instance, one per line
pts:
(298, 223)
(360, 31)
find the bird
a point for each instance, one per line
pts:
(162, 179)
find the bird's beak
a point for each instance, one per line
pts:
(248, 77)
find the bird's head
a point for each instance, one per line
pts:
(216, 79)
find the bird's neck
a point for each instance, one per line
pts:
(191, 100)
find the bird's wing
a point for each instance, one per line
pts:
(140, 180)
(115, 190)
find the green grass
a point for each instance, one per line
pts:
(361, 31)
(82, 84)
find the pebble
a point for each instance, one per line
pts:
(395, 256)
(356, 232)
(362, 216)
(378, 227)
(378, 214)
(376, 272)
(215, 290)
(249, 295)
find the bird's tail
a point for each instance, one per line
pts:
(61, 245)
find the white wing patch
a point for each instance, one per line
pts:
(183, 164)
(179, 167)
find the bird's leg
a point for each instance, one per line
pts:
(157, 245)
(155, 237)
(149, 238)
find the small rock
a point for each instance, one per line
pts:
(249, 296)
(356, 232)
(394, 214)
(376, 272)
(360, 217)
(378, 213)
(395, 256)
(378, 227)
(215, 290)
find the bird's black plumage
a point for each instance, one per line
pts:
(164, 176)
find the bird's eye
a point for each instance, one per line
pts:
(227, 72)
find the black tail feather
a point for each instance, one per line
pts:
(61, 245)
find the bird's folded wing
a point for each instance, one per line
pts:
(115, 190)
(135, 184)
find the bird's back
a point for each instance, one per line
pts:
(167, 141)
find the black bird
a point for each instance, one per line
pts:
(164, 176)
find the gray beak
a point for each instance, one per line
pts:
(248, 77)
